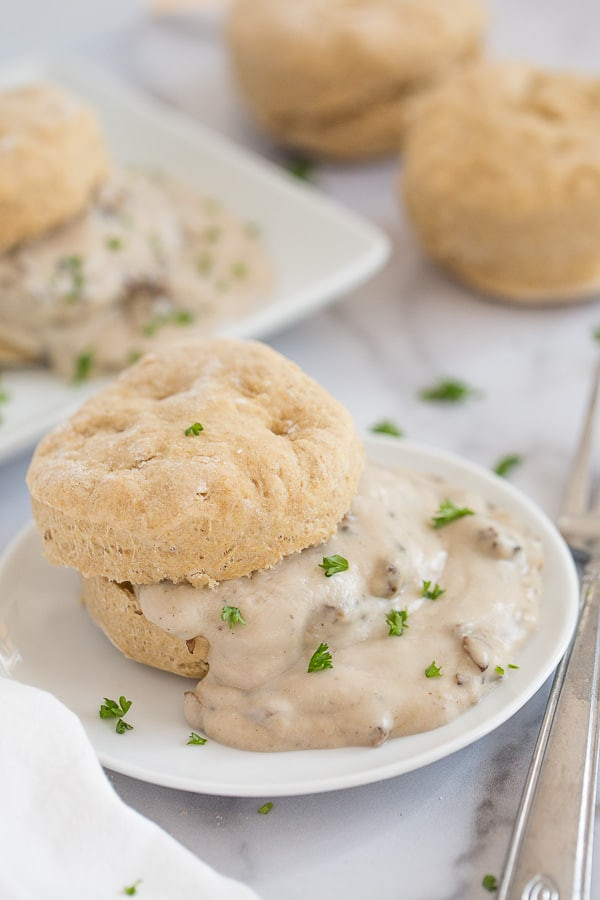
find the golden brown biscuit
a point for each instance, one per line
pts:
(115, 609)
(335, 78)
(502, 181)
(52, 158)
(121, 490)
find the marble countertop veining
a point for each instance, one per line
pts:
(431, 834)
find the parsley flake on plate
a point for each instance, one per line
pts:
(194, 429)
(114, 243)
(512, 666)
(175, 317)
(110, 709)
(499, 670)
(131, 890)
(507, 463)
(396, 620)
(447, 390)
(432, 593)
(490, 883)
(196, 738)
(83, 367)
(233, 616)
(72, 267)
(449, 512)
(302, 168)
(386, 426)
(4, 398)
(433, 671)
(331, 565)
(321, 659)
(597, 333)
(265, 808)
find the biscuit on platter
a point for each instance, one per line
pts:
(52, 158)
(502, 181)
(336, 78)
(127, 490)
(115, 609)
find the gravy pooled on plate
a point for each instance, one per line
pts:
(421, 623)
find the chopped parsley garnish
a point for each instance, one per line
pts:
(449, 512)
(176, 317)
(211, 234)
(396, 621)
(265, 808)
(301, 168)
(110, 709)
(386, 426)
(321, 659)
(507, 463)
(433, 671)
(239, 270)
(131, 890)
(194, 429)
(133, 356)
(490, 883)
(333, 564)
(204, 263)
(83, 366)
(196, 738)
(597, 333)
(512, 666)
(233, 616)
(72, 266)
(432, 593)
(4, 398)
(447, 390)
(499, 670)
(114, 243)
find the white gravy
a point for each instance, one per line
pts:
(150, 261)
(258, 694)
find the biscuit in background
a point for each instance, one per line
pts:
(52, 159)
(334, 78)
(501, 179)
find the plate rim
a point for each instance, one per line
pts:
(438, 750)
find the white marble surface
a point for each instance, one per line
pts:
(432, 834)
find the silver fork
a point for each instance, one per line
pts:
(550, 854)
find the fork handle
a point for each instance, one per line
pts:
(550, 854)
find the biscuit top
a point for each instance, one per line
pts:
(347, 50)
(121, 490)
(34, 108)
(509, 137)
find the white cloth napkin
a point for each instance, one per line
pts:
(64, 832)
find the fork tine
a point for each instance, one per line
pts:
(577, 494)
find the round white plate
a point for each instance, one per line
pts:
(47, 640)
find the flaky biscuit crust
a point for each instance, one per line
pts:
(119, 490)
(334, 78)
(502, 181)
(52, 159)
(115, 609)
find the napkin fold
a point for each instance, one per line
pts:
(65, 833)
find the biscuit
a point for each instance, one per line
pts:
(120, 490)
(52, 158)
(502, 181)
(336, 78)
(115, 609)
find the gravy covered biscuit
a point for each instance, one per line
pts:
(336, 77)
(52, 159)
(204, 462)
(502, 181)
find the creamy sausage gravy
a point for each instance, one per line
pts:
(258, 694)
(149, 261)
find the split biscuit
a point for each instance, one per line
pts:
(115, 609)
(502, 181)
(52, 159)
(336, 78)
(121, 491)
